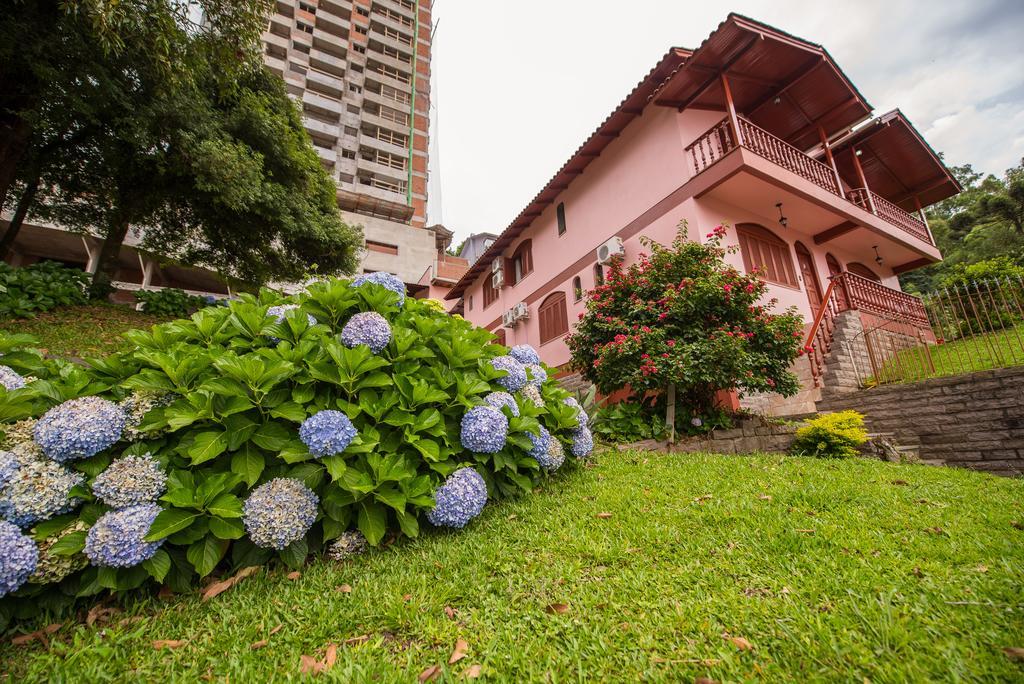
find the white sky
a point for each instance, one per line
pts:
(520, 85)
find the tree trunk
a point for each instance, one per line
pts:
(19, 215)
(14, 139)
(110, 252)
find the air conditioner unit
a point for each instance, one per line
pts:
(497, 280)
(508, 319)
(610, 249)
(521, 312)
(496, 266)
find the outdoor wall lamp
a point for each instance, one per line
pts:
(782, 219)
(878, 257)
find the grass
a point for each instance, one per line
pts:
(849, 570)
(81, 331)
(999, 349)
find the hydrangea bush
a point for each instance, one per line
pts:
(262, 431)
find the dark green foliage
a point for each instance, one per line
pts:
(640, 419)
(39, 287)
(169, 302)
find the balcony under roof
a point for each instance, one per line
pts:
(782, 83)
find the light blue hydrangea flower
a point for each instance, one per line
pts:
(500, 399)
(484, 430)
(117, 540)
(369, 328)
(8, 466)
(129, 481)
(459, 500)
(541, 444)
(555, 457)
(350, 543)
(18, 558)
(515, 376)
(280, 310)
(581, 415)
(327, 432)
(10, 379)
(37, 491)
(79, 428)
(386, 280)
(532, 394)
(537, 374)
(279, 512)
(582, 443)
(524, 354)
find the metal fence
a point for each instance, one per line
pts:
(973, 327)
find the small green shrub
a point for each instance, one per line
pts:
(632, 421)
(40, 287)
(832, 435)
(169, 302)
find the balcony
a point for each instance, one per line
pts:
(448, 269)
(326, 62)
(325, 83)
(719, 141)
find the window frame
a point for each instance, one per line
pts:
(520, 264)
(577, 289)
(560, 218)
(598, 274)
(553, 311)
(756, 242)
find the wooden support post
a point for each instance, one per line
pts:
(863, 179)
(734, 122)
(831, 160)
(670, 412)
(924, 219)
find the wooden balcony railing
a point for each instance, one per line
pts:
(849, 291)
(883, 208)
(719, 141)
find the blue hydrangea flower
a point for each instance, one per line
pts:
(79, 428)
(10, 379)
(327, 432)
(117, 538)
(386, 280)
(500, 399)
(524, 354)
(8, 466)
(350, 543)
(459, 500)
(515, 376)
(484, 430)
(369, 328)
(541, 445)
(537, 374)
(130, 481)
(18, 558)
(280, 310)
(581, 415)
(582, 443)
(279, 512)
(555, 457)
(37, 491)
(532, 394)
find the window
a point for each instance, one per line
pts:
(304, 49)
(356, 68)
(361, 49)
(521, 263)
(577, 289)
(500, 334)
(361, 30)
(766, 252)
(469, 306)
(560, 215)
(363, 12)
(554, 319)
(354, 88)
(304, 27)
(598, 274)
(863, 271)
(352, 109)
(490, 292)
(350, 130)
(305, 7)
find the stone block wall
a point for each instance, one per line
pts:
(974, 420)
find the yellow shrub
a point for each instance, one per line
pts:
(832, 435)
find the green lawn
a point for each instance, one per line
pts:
(81, 331)
(733, 568)
(994, 350)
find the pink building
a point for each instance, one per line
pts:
(756, 129)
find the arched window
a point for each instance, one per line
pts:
(834, 268)
(521, 263)
(490, 292)
(577, 289)
(598, 274)
(500, 333)
(769, 254)
(553, 316)
(863, 271)
(560, 215)
(470, 307)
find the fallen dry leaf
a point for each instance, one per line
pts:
(703, 497)
(741, 643)
(981, 568)
(705, 680)
(604, 515)
(916, 572)
(558, 608)
(461, 646)
(331, 656)
(257, 645)
(430, 673)
(765, 497)
(1018, 524)
(513, 516)
(39, 634)
(218, 588)
(356, 640)
(294, 575)
(450, 612)
(407, 598)
(169, 643)
(309, 664)
(1014, 653)
(130, 620)
(902, 483)
(99, 613)
(276, 630)
(345, 589)
(473, 671)
(806, 531)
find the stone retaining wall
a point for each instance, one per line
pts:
(974, 421)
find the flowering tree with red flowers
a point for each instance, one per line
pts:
(683, 319)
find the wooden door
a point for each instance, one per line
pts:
(834, 271)
(810, 278)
